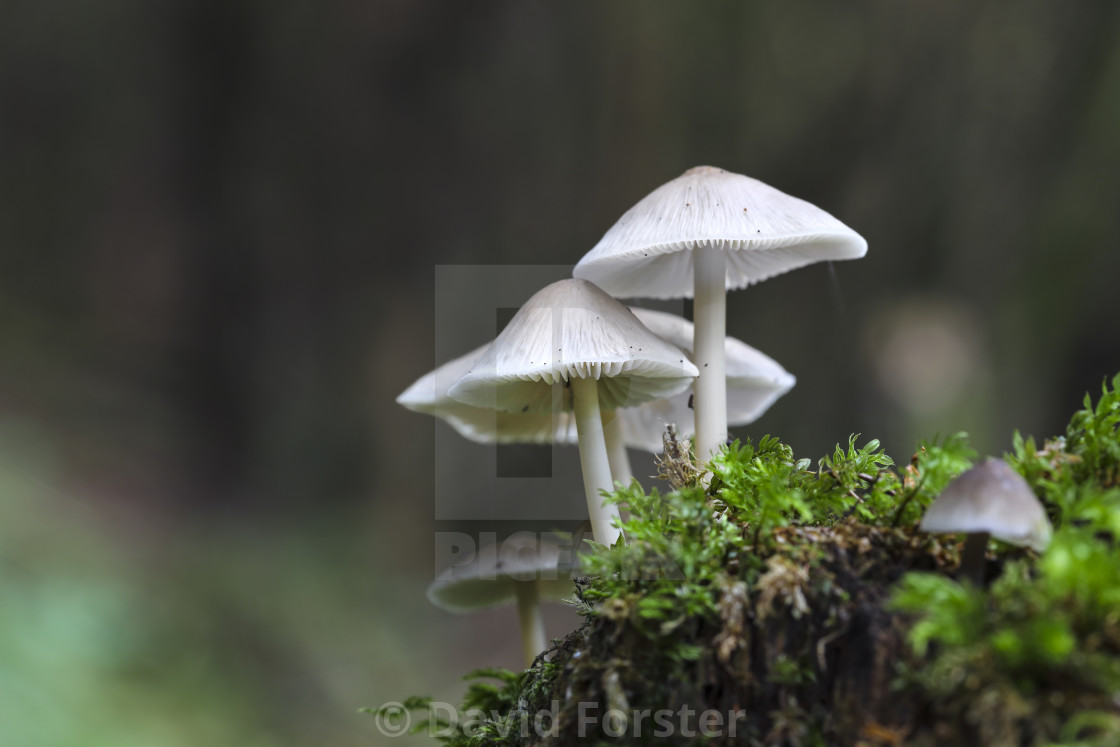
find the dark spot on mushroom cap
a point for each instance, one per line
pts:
(705, 365)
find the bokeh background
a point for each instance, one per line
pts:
(220, 222)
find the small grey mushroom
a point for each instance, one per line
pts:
(989, 500)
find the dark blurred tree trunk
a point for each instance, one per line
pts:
(214, 42)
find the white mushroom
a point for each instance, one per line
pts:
(707, 231)
(573, 347)
(989, 500)
(523, 567)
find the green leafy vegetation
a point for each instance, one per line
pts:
(804, 595)
(1042, 644)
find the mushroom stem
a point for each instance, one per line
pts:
(532, 622)
(709, 315)
(593, 459)
(616, 448)
(974, 558)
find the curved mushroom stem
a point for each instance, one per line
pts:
(593, 459)
(974, 558)
(532, 623)
(616, 448)
(709, 317)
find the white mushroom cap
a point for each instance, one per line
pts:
(572, 329)
(754, 382)
(993, 498)
(492, 576)
(428, 395)
(765, 232)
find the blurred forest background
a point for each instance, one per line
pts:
(219, 228)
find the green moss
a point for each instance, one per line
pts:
(802, 600)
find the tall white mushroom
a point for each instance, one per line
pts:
(523, 567)
(703, 233)
(573, 347)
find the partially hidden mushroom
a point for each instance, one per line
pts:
(698, 236)
(573, 347)
(524, 568)
(754, 382)
(989, 500)
(428, 395)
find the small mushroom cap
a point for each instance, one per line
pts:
(754, 382)
(572, 329)
(490, 579)
(428, 395)
(991, 497)
(764, 231)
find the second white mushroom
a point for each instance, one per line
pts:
(571, 346)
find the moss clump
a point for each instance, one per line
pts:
(801, 606)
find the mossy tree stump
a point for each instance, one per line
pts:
(800, 604)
